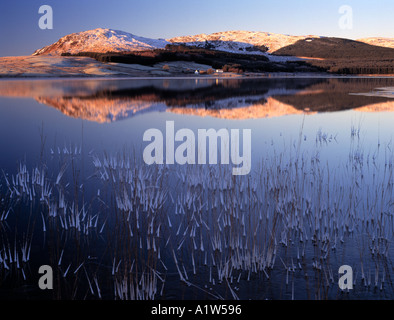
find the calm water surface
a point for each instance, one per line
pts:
(76, 194)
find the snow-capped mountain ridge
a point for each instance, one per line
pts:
(101, 40)
(273, 41)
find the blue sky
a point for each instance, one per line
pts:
(20, 34)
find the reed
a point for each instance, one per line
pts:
(294, 220)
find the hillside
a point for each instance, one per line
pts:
(381, 42)
(242, 39)
(342, 55)
(335, 48)
(233, 51)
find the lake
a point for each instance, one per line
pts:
(77, 195)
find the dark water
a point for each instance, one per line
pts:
(76, 194)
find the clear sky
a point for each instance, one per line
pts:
(21, 35)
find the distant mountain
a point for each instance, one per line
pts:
(381, 42)
(335, 48)
(234, 51)
(344, 56)
(311, 46)
(272, 41)
(101, 40)
(107, 40)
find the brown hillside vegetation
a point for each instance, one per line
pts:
(343, 55)
(231, 62)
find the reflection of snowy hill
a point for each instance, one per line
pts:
(106, 101)
(387, 92)
(244, 110)
(101, 109)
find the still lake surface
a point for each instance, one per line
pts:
(77, 196)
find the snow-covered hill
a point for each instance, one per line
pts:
(108, 40)
(381, 42)
(101, 40)
(242, 39)
(247, 42)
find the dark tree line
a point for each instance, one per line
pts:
(231, 62)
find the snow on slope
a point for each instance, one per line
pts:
(246, 42)
(381, 42)
(272, 41)
(101, 40)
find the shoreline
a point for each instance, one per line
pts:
(271, 76)
(194, 77)
(60, 67)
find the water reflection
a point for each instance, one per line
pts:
(319, 195)
(112, 100)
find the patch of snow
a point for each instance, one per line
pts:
(386, 92)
